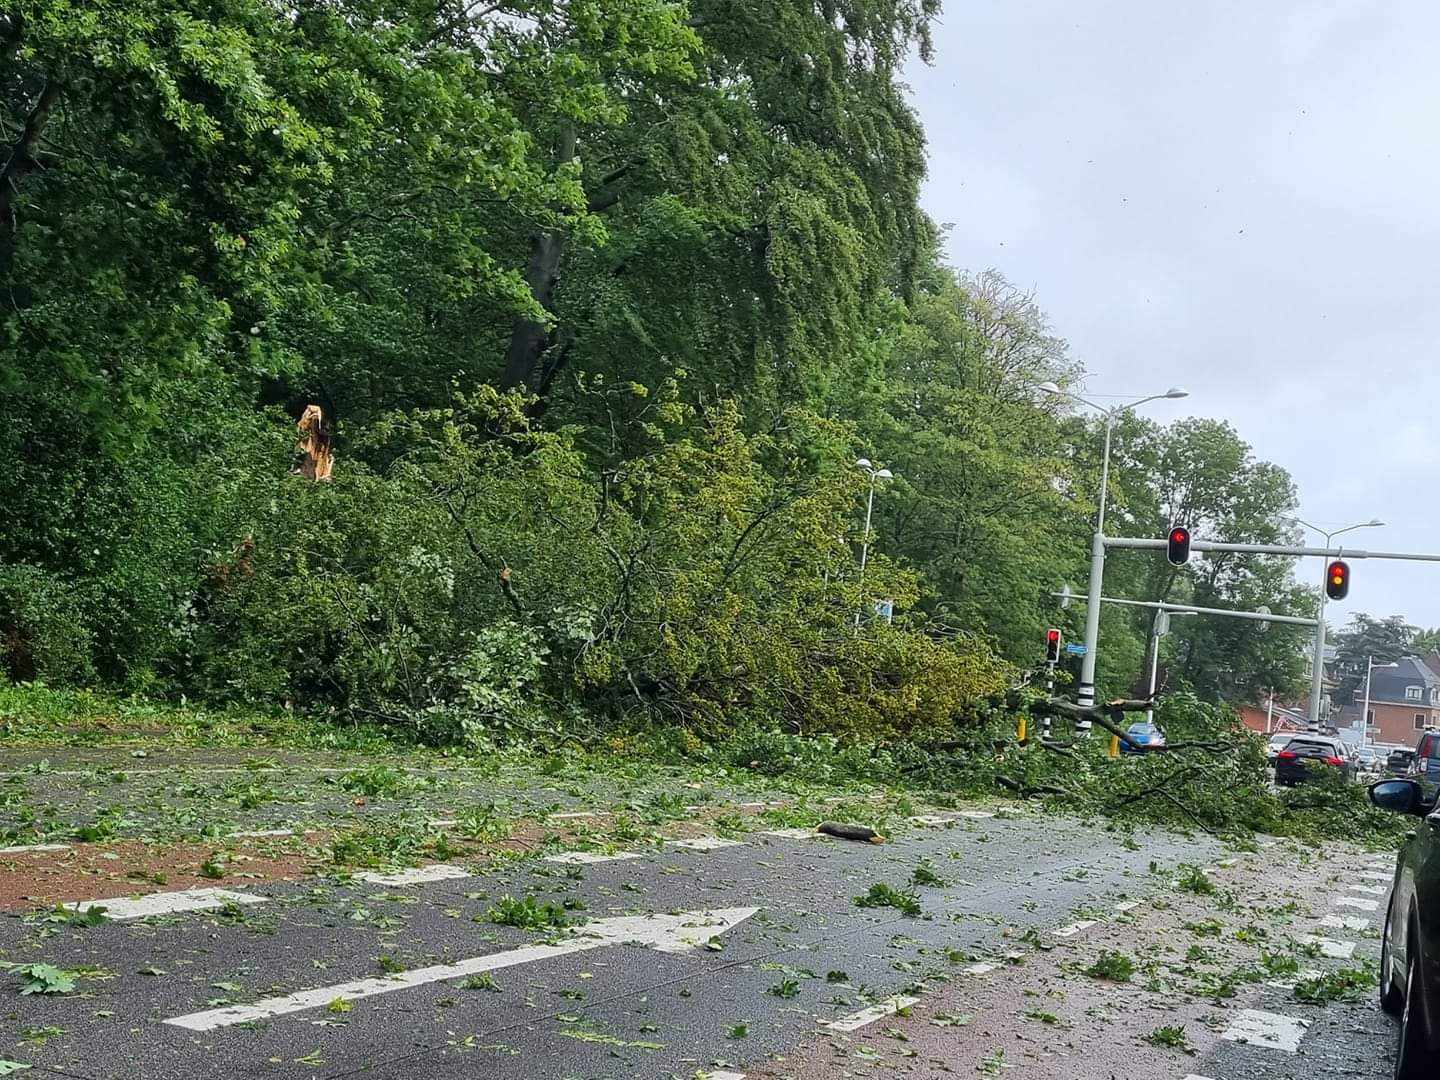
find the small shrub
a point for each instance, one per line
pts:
(527, 914)
(882, 895)
(1112, 967)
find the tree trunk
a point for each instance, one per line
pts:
(20, 164)
(530, 339)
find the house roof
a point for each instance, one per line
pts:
(1388, 685)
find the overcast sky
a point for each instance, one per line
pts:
(1242, 198)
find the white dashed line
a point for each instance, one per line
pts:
(1329, 947)
(1128, 905)
(1359, 903)
(976, 814)
(791, 834)
(722, 1075)
(1376, 875)
(890, 1007)
(931, 819)
(1267, 1029)
(1075, 928)
(23, 849)
(249, 834)
(167, 903)
(1372, 890)
(1226, 862)
(704, 843)
(1193, 1076)
(418, 875)
(1345, 922)
(443, 823)
(582, 858)
(984, 967)
(574, 814)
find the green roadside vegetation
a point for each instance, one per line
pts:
(638, 772)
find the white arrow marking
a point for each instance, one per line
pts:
(167, 903)
(667, 933)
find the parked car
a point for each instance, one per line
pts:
(1399, 762)
(1426, 766)
(1303, 753)
(1277, 743)
(1410, 945)
(1141, 734)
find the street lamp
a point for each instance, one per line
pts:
(1085, 693)
(1317, 671)
(874, 474)
(1370, 666)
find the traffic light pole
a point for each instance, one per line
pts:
(1317, 673)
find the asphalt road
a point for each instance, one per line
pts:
(749, 957)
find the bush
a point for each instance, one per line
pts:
(43, 631)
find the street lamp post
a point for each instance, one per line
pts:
(1317, 668)
(874, 474)
(1085, 692)
(1370, 666)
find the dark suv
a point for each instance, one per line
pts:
(1410, 948)
(1304, 753)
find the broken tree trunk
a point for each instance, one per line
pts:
(316, 458)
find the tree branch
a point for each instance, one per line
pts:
(22, 160)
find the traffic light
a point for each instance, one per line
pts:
(1337, 580)
(1052, 645)
(1177, 545)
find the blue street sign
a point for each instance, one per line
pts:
(1075, 650)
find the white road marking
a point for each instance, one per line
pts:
(722, 1075)
(791, 834)
(22, 849)
(984, 967)
(1193, 1076)
(1267, 1029)
(582, 858)
(1075, 928)
(1329, 947)
(249, 833)
(575, 814)
(1357, 902)
(443, 823)
(678, 933)
(1303, 975)
(1128, 905)
(168, 903)
(1372, 890)
(931, 819)
(889, 1007)
(418, 875)
(704, 843)
(1345, 922)
(1377, 875)
(748, 806)
(1226, 862)
(1267, 843)
(976, 813)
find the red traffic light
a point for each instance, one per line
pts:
(1177, 545)
(1337, 580)
(1052, 645)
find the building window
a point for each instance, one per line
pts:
(1370, 718)
(1419, 721)
(1435, 695)
(1412, 693)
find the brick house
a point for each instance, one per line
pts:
(1404, 701)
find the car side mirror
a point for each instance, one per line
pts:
(1401, 796)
